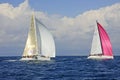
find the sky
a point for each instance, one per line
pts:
(71, 22)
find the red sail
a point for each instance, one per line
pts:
(105, 41)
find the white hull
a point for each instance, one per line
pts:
(100, 57)
(39, 58)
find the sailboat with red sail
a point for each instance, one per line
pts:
(101, 45)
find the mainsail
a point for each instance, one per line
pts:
(101, 43)
(31, 44)
(96, 48)
(40, 42)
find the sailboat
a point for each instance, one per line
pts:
(40, 44)
(101, 45)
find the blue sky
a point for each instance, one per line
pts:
(71, 22)
(64, 7)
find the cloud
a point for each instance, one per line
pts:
(73, 35)
(9, 11)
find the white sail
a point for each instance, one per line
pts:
(31, 45)
(96, 45)
(47, 45)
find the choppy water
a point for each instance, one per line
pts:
(60, 68)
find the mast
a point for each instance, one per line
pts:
(99, 36)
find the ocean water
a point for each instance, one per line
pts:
(60, 68)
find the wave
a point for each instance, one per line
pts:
(11, 60)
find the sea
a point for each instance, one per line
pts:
(60, 68)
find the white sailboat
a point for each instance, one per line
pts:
(40, 43)
(101, 45)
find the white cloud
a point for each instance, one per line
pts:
(71, 33)
(9, 11)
